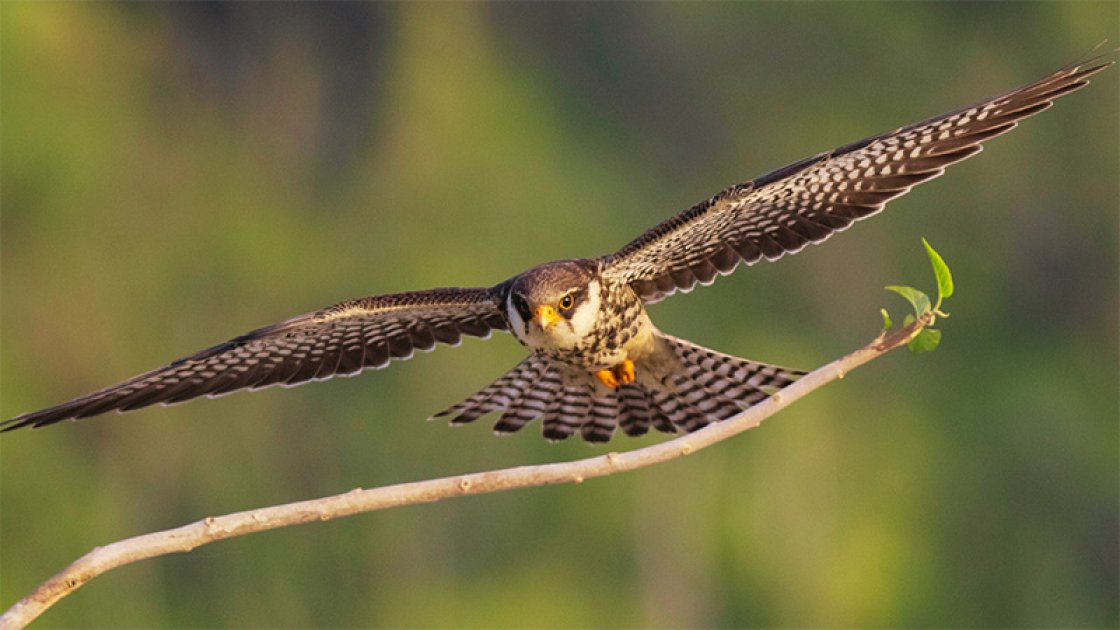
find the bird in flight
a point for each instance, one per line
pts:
(596, 361)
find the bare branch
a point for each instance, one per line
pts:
(210, 529)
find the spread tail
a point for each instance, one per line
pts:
(705, 386)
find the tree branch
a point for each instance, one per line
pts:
(210, 529)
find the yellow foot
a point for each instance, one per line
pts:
(607, 378)
(625, 372)
(620, 374)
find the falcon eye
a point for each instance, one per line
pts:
(567, 302)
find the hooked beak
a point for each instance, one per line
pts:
(546, 317)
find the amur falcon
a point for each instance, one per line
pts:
(596, 362)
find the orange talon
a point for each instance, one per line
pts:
(620, 374)
(607, 378)
(625, 372)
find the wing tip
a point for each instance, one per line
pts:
(37, 419)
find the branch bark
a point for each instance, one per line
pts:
(214, 528)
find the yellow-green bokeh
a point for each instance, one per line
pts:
(172, 175)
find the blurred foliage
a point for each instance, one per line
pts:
(177, 174)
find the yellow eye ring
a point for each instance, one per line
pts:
(567, 302)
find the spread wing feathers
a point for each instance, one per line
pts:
(340, 340)
(808, 201)
(711, 387)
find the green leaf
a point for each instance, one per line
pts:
(886, 319)
(917, 299)
(940, 270)
(925, 341)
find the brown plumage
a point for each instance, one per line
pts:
(597, 362)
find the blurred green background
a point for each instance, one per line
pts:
(177, 174)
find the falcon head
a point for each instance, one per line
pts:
(556, 304)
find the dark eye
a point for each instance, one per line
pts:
(567, 302)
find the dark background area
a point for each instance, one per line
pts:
(177, 174)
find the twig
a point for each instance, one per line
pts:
(210, 529)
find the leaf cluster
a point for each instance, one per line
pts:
(928, 338)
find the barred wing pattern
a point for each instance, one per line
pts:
(808, 201)
(711, 387)
(339, 340)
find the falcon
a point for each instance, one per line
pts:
(596, 361)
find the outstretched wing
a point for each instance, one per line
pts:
(336, 341)
(808, 201)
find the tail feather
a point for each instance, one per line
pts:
(635, 413)
(567, 412)
(730, 376)
(601, 420)
(710, 402)
(681, 413)
(532, 404)
(496, 396)
(704, 386)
